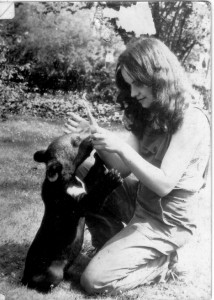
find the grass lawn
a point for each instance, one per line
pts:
(21, 211)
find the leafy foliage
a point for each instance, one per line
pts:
(60, 48)
(58, 106)
(183, 25)
(10, 92)
(47, 48)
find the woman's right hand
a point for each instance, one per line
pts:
(76, 124)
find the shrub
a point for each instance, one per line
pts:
(56, 107)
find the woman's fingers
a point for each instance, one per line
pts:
(70, 129)
(72, 123)
(92, 120)
(67, 131)
(75, 117)
(77, 124)
(98, 145)
(97, 136)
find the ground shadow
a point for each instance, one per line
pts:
(12, 259)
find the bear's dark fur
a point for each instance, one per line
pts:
(60, 236)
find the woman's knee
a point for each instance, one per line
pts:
(89, 282)
(97, 277)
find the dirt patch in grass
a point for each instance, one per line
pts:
(22, 210)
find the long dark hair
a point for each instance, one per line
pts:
(148, 61)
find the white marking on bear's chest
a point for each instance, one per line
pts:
(74, 190)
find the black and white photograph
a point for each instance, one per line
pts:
(105, 150)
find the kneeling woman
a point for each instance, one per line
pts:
(167, 152)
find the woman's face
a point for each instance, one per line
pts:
(141, 92)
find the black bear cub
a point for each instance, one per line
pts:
(60, 236)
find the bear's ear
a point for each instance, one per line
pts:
(75, 142)
(40, 156)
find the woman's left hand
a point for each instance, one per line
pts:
(107, 141)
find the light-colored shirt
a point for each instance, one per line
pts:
(176, 208)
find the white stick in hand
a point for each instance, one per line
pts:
(92, 120)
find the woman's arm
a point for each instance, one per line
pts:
(181, 149)
(76, 124)
(113, 160)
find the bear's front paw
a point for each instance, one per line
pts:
(93, 201)
(112, 179)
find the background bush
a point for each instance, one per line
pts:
(52, 49)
